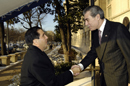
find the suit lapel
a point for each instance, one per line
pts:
(106, 34)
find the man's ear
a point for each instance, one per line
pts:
(98, 16)
(35, 41)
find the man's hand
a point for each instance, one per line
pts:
(76, 70)
(128, 84)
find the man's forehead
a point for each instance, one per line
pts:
(87, 14)
(40, 31)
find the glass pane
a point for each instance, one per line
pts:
(108, 1)
(109, 11)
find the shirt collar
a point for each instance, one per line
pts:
(103, 26)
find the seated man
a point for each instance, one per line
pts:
(37, 69)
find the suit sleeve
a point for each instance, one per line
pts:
(123, 41)
(91, 55)
(43, 71)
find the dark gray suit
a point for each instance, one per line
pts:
(37, 70)
(113, 54)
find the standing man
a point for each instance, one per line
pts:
(111, 44)
(37, 69)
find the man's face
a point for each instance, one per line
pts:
(42, 41)
(91, 22)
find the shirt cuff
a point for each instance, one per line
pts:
(71, 72)
(81, 66)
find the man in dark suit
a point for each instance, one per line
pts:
(111, 44)
(37, 69)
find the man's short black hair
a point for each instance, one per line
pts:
(32, 34)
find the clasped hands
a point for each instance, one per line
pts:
(76, 70)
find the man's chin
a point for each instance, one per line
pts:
(91, 30)
(46, 47)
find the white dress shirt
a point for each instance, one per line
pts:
(102, 27)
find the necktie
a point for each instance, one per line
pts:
(99, 34)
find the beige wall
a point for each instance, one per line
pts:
(115, 10)
(119, 6)
(120, 10)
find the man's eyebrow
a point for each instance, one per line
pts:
(86, 19)
(43, 34)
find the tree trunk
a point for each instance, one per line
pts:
(66, 54)
(7, 38)
(69, 39)
(40, 24)
(62, 32)
(3, 45)
(68, 30)
(30, 25)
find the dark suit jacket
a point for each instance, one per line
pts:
(37, 70)
(113, 54)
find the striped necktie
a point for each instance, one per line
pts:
(99, 34)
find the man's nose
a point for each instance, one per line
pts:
(46, 37)
(86, 23)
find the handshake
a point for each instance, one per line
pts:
(76, 70)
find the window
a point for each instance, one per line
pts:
(109, 11)
(108, 1)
